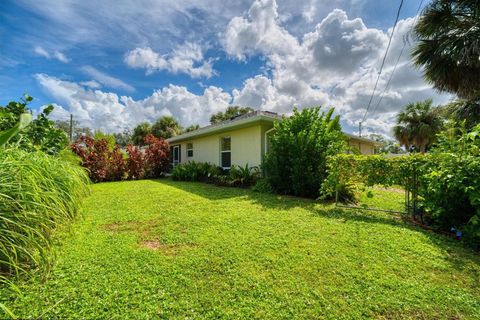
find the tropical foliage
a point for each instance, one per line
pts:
(447, 49)
(229, 113)
(166, 127)
(446, 180)
(157, 156)
(41, 134)
(418, 125)
(296, 162)
(123, 138)
(236, 176)
(105, 163)
(135, 163)
(140, 132)
(193, 127)
(38, 193)
(196, 171)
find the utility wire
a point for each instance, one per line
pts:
(405, 41)
(383, 61)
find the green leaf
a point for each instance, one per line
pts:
(25, 119)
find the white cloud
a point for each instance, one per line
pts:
(51, 55)
(336, 64)
(259, 32)
(91, 84)
(111, 113)
(106, 79)
(187, 58)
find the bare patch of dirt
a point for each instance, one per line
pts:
(166, 249)
(148, 235)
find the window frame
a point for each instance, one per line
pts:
(189, 149)
(177, 161)
(225, 151)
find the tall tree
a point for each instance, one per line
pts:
(193, 127)
(166, 127)
(230, 112)
(78, 130)
(418, 125)
(140, 132)
(386, 145)
(123, 138)
(448, 46)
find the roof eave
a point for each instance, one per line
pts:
(220, 128)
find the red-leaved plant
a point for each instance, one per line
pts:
(102, 163)
(116, 165)
(157, 156)
(135, 163)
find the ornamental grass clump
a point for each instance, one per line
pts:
(38, 194)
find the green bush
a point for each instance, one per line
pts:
(196, 171)
(41, 134)
(447, 180)
(297, 159)
(262, 186)
(243, 176)
(236, 176)
(38, 193)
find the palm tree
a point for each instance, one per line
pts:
(166, 127)
(448, 46)
(418, 125)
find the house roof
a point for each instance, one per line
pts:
(242, 121)
(237, 122)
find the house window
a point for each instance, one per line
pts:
(176, 155)
(189, 150)
(225, 153)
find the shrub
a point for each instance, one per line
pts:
(41, 134)
(262, 186)
(243, 176)
(196, 171)
(38, 193)
(116, 165)
(95, 156)
(157, 156)
(447, 183)
(205, 172)
(135, 163)
(297, 159)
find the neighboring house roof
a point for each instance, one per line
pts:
(239, 122)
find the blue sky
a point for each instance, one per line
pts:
(113, 64)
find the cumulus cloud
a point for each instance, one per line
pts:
(187, 58)
(335, 64)
(112, 113)
(51, 55)
(259, 32)
(106, 79)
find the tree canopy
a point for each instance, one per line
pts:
(166, 127)
(418, 125)
(140, 132)
(448, 47)
(230, 112)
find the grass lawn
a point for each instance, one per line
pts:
(164, 249)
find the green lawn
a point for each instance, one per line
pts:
(163, 249)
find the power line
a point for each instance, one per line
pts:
(383, 60)
(405, 41)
